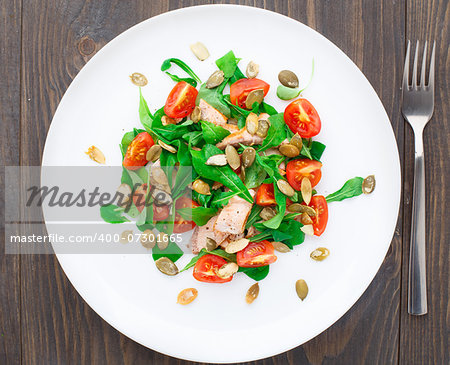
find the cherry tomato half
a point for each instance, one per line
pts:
(320, 205)
(296, 170)
(135, 157)
(206, 267)
(181, 225)
(265, 195)
(181, 100)
(256, 254)
(160, 212)
(241, 88)
(302, 118)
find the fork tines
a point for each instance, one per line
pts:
(414, 85)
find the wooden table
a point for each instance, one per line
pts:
(43, 46)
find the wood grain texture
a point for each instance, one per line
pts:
(55, 326)
(424, 340)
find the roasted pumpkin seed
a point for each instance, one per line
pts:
(242, 174)
(306, 190)
(148, 239)
(165, 120)
(138, 79)
(252, 70)
(217, 160)
(305, 219)
(187, 296)
(368, 184)
(281, 247)
(96, 155)
(162, 240)
(248, 156)
(263, 128)
(124, 194)
(211, 244)
(288, 78)
(167, 147)
(300, 208)
(308, 229)
(320, 254)
(166, 266)
(196, 114)
(289, 150)
(267, 213)
(233, 158)
(285, 188)
(227, 270)
(200, 51)
(301, 288)
(153, 153)
(232, 121)
(126, 236)
(255, 96)
(235, 246)
(201, 187)
(251, 123)
(252, 293)
(215, 79)
(297, 141)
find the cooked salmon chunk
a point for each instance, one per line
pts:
(241, 136)
(233, 217)
(211, 114)
(201, 233)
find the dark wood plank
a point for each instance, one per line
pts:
(424, 340)
(10, 35)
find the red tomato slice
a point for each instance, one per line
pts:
(181, 100)
(181, 225)
(206, 267)
(302, 118)
(265, 195)
(296, 170)
(256, 254)
(160, 212)
(320, 205)
(241, 88)
(135, 157)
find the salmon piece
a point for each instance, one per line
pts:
(230, 127)
(211, 114)
(241, 136)
(201, 233)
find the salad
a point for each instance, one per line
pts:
(230, 167)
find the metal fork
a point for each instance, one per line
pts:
(417, 108)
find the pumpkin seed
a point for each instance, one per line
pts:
(96, 155)
(281, 247)
(166, 266)
(217, 160)
(232, 121)
(242, 174)
(306, 190)
(153, 153)
(308, 229)
(255, 96)
(289, 150)
(251, 123)
(305, 219)
(285, 188)
(200, 51)
(167, 147)
(267, 213)
(162, 240)
(368, 184)
(233, 158)
(126, 236)
(263, 128)
(161, 197)
(252, 293)
(300, 208)
(288, 78)
(210, 244)
(201, 187)
(216, 185)
(124, 192)
(248, 157)
(227, 270)
(138, 79)
(215, 79)
(252, 70)
(196, 114)
(301, 288)
(297, 141)
(165, 120)
(320, 254)
(148, 239)
(187, 296)
(238, 245)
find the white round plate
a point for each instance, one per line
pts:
(127, 290)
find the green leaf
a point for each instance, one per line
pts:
(168, 63)
(212, 133)
(194, 138)
(351, 188)
(221, 198)
(253, 216)
(228, 64)
(185, 79)
(111, 213)
(172, 252)
(144, 112)
(200, 215)
(255, 273)
(276, 133)
(312, 149)
(266, 108)
(215, 98)
(254, 176)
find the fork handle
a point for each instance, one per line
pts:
(417, 288)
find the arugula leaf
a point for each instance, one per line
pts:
(351, 188)
(213, 133)
(255, 273)
(228, 64)
(168, 63)
(178, 79)
(172, 132)
(111, 213)
(214, 97)
(221, 198)
(266, 108)
(193, 138)
(200, 215)
(276, 133)
(254, 176)
(312, 149)
(253, 216)
(172, 252)
(218, 252)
